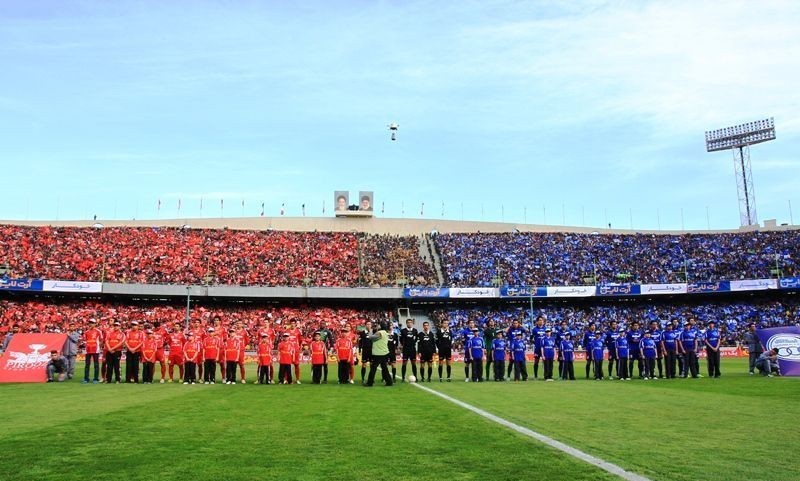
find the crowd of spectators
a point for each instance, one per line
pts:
(540, 259)
(180, 256)
(731, 317)
(387, 258)
(55, 316)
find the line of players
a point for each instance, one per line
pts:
(671, 352)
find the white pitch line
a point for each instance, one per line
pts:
(604, 465)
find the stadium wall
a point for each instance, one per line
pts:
(371, 225)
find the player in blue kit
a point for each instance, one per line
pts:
(655, 334)
(548, 344)
(688, 347)
(467, 333)
(649, 350)
(588, 337)
(537, 334)
(712, 343)
(611, 338)
(622, 350)
(597, 346)
(634, 337)
(518, 349)
(567, 350)
(515, 329)
(669, 345)
(476, 347)
(499, 353)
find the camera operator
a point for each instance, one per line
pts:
(56, 367)
(380, 354)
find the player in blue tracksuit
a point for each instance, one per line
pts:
(712, 344)
(511, 335)
(588, 337)
(518, 348)
(669, 344)
(476, 347)
(499, 353)
(597, 346)
(567, 350)
(467, 333)
(655, 334)
(537, 334)
(559, 335)
(649, 352)
(688, 347)
(611, 346)
(621, 348)
(634, 337)
(548, 344)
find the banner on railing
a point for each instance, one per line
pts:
(789, 283)
(473, 292)
(71, 286)
(708, 287)
(754, 285)
(662, 289)
(619, 290)
(571, 291)
(412, 292)
(20, 284)
(523, 292)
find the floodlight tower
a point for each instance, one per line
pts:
(739, 138)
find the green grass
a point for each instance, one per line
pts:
(736, 427)
(71, 431)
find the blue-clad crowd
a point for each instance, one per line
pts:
(545, 258)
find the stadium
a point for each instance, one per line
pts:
(399, 240)
(367, 269)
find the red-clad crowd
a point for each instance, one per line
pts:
(180, 256)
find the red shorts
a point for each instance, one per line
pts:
(160, 356)
(176, 358)
(241, 358)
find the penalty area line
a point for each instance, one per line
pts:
(576, 453)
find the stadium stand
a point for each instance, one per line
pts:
(574, 259)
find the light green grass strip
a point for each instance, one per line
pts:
(595, 461)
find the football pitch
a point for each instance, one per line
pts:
(737, 427)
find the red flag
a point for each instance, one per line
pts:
(27, 356)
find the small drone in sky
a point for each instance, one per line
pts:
(393, 127)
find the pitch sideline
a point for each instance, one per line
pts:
(588, 458)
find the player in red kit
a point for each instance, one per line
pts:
(199, 334)
(287, 353)
(192, 354)
(212, 349)
(233, 347)
(114, 343)
(134, 339)
(319, 356)
(175, 341)
(93, 341)
(296, 336)
(264, 350)
(149, 353)
(244, 337)
(160, 336)
(344, 353)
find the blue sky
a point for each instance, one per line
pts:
(583, 112)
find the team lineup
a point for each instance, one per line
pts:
(489, 353)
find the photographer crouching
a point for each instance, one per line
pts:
(56, 367)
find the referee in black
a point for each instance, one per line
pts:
(408, 344)
(426, 343)
(444, 344)
(365, 348)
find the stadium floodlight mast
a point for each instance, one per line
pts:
(739, 138)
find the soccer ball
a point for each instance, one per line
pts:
(412, 378)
